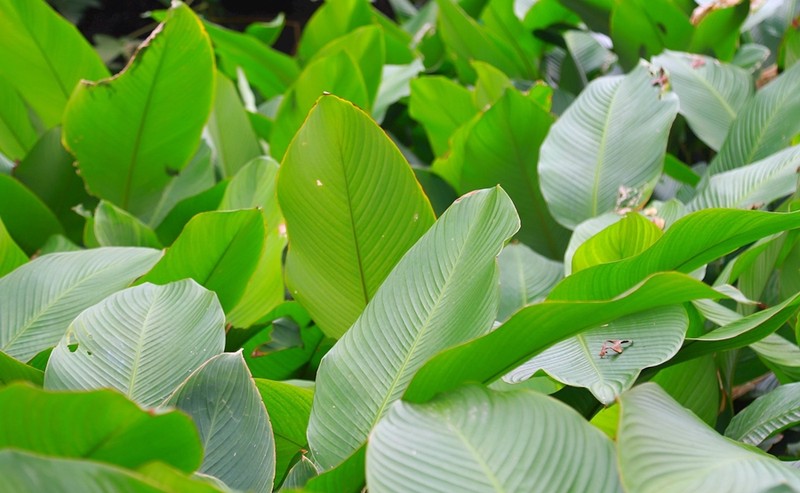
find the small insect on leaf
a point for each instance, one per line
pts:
(616, 345)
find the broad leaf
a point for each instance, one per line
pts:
(764, 126)
(352, 208)
(219, 250)
(234, 426)
(502, 147)
(101, 426)
(132, 132)
(752, 186)
(27, 219)
(691, 242)
(12, 370)
(590, 359)
(44, 56)
(143, 341)
(711, 93)
(663, 448)
(441, 293)
(289, 407)
(490, 357)
(441, 106)
(43, 296)
(767, 415)
(612, 138)
(475, 439)
(235, 142)
(70, 475)
(115, 227)
(642, 28)
(525, 278)
(695, 385)
(632, 235)
(779, 355)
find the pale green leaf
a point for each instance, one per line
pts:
(115, 227)
(441, 106)
(143, 341)
(443, 292)
(525, 278)
(767, 415)
(234, 140)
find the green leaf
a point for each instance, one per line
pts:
(492, 83)
(752, 186)
(143, 341)
(348, 477)
(235, 142)
(500, 19)
(234, 426)
(614, 135)
(717, 33)
(642, 28)
(48, 171)
(441, 293)
(490, 357)
(764, 126)
(330, 21)
(741, 332)
(267, 32)
(12, 370)
(441, 106)
(270, 71)
(525, 278)
(663, 448)
(11, 256)
(472, 41)
(182, 212)
(695, 385)
(630, 236)
(779, 355)
(17, 135)
(463, 441)
(691, 242)
(352, 208)
(711, 93)
(115, 227)
(502, 147)
(44, 56)
(589, 360)
(595, 13)
(132, 132)
(219, 250)
(767, 415)
(70, 475)
(43, 296)
(334, 74)
(289, 407)
(395, 85)
(101, 426)
(27, 219)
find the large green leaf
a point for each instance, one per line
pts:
(443, 292)
(332, 20)
(352, 208)
(537, 327)
(289, 407)
(525, 277)
(143, 341)
(17, 135)
(115, 227)
(611, 139)
(11, 256)
(663, 448)
(630, 236)
(44, 56)
(711, 93)
(764, 126)
(336, 74)
(234, 426)
(476, 440)
(502, 147)
(27, 219)
(12, 370)
(767, 415)
(589, 360)
(21, 472)
(441, 106)
(691, 242)
(752, 186)
(235, 142)
(219, 250)
(695, 385)
(133, 132)
(779, 355)
(642, 28)
(42, 297)
(102, 426)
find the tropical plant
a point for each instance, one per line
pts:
(486, 245)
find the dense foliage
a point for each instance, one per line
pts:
(226, 268)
